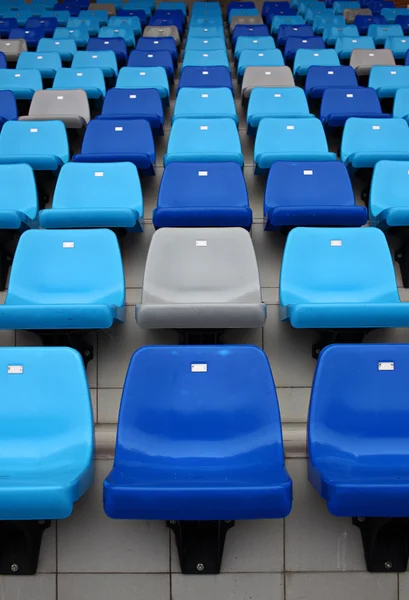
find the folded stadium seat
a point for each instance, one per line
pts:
(345, 46)
(340, 104)
(320, 23)
(252, 43)
(230, 6)
(117, 45)
(125, 32)
(159, 32)
(212, 195)
(270, 9)
(210, 58)
(8, 107)
(155, 21)
(265, 77)
(92, 24)
(100, 14)
(133, 22)
(209, 77)
(403, 21)
(21, 15)
(290, 139)
(201, 279)
(96, 195)
(147, 78)
(69, 106)
(363, 474)
(47, 63)
(248, 30)
(275, 102)
(22, 82)
(248, 21)
(291, 31)
(331, 33)
(49, 461)
(381, 33)
(206, 103)
(65, 48)
(399, 47)
(205, 31)
(317, 9)
(390, 14)
(226, 479)
(204, 140)
(61, 14)
(242, 12)
(294, 44)
(258, 58)
(363, 60)
(32, 36)
(310, 194)
(351, 13)
(105, 61)
(174, 14)
(62, 296)
(49, 24)
(376, 6)
(134, 104)
(401, 104)
(339, 7)
(304, 6)
(121, 12)
(159, 58)
(107, 6)
(119, 140)
(205, 45)
(79, 34)
(6, 25)
(387, 80)
(12, 49)
(158, 44)
(305, 59)
(363, 23)
(67, 10)
(91, 80)
(172, 6)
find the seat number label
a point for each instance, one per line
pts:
(15, 369)
(198, 368)
(386, 366)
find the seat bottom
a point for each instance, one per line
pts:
(347, 315)
(322, 216)
(61, 316)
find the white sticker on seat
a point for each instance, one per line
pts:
(267, 72)
(393, 72)
(336, 243)
(156, 42)
(304, 41)
(205, 72)
(205, 55)
(204, 173)
(99, 174)
(119, 128)
(39, 58)
(17, 75)
(255, 41)
(349, 95)
(34, 130)
(106, 43)
(204, 127)
(354, 41)
(386, 366)
(371, 54)
(205, 95)
(68, 244)
(201, 243)
(376, 127)
(289, 126)
(199, 368)
(150, 55)
(205, 41)
(15, 369)
(330, 73)
(316, 54)
(57, 43)
(95, 56)
(261, 54)
(277, 95)
(308, 172)
(60, 97)
(142, 73)
(79, 74)
(132, 96)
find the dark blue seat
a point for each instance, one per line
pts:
(8, 107)
(32, 36)
(202, 195)
(296, 43)
(155, 21)
(241, 5)
(276, 8)
(117, 45)
(3, 61)
(208, 77)
(321, 78)
(149, 44)
(119, 140)
(49, 24)
(363, 22)
(287, 31)
(183, 452)
(6, 25)
(134, 104)
(403, 21)
(310, 194)
(252, 30)
(339, 104)
(159, 58)
(141, 14)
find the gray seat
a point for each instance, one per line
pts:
(363, 60)
(269, 77)
(351, 13)
(154, 31)
(13, 48)
(110, 8)
(256, 20)
(69, 106)
(201, 278)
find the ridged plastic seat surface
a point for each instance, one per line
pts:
(106, 61)
(357, 432)
(208, 77)
(230, 480)
(201, 278)
(277, 103)
(143, 104)
(47, 63)
(47, 462)
(310, 193)
(388, 202)
(386, 81)
(352, 285)
(214, 103)
(340, 104)
(96, 195)
(345, 45)
(65, 48)
(117, 45)
(18, 203)
(65, 279)
(145, 78)
(22, 82)
(89, 79)
(212, 195)
(363, 60)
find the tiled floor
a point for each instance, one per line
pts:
(309, 556)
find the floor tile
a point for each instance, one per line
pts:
(260, 586)
(403, 586)
(47, 561)
(269, 248)
(247, 148)
(7, 337)
(108, 405)
(341, 586)
(90, 542)
(255, 189)
(109, 586)
(36, 587)
(150, 187)
(294, 404)
(315, 540)
(135, 248)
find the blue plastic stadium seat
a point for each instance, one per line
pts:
(352, 285)
(105, 61)
(321, 78)
(249, 30)
(119, 140)
(6, 25)
(340, 104)
(209, 77)
(202, 195)
(146, 78)
(100, 15)
(32, 36)
(65, 279)
(95, 195)
(204, 44)
(381, 33)
(376, 6)
(65, 48)
(391, 14)
(49, 24)
(207, 58)
(331, 33)
(92, 24)
(340, 6)
(3, 61)
(117, 45)
(159, 58)
(242, 12)
(271, 8)
(155, 21)
(207, 31)
(233, 5)
(285, 20)
(403, 21)
(79, 34)
(253, 43)
(206, 103)
(21, 15)
(320, 23)
(304, 5)
(259, 58)
(18, 204)
(305, 59)
(318, 9)
(294, 44)
(67, 10)
(292, 31)
(344, 46)
(47, 63)
(61, 14)
(158, 44)
(124, 32)
(401, 104)
(275, 102)
(387, 80)
(141, 14)
(388, 203)
(8, 107)
(49, 462)
(91, 80)
(230, 481)
(134, 104)
(134, 22)
(363, 22)
(22, 82)
(310, 194)
(399, 46)
(290, 139)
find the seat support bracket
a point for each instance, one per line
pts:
(199, 337)
(20, 543)
(200, 545)
(337, 336)
(402, 258)
(72, 339)
(386, 543)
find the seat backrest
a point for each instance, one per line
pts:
(374, 136)
(67, 267)
(13, 48)
(384, 31)
(394, 77)
(346, 44)
(142, 77)
(8, 105)
(21, 78)
(78, 78)
(311, 57)
(88, 59)
(401, 103)
(332, 265)
(31, 138)
(39, 60)
(350, 101)
(369, 58)
(92, 24)
(128, 102)
(60, 46)
(60, 103)
(19, 191)
(267, 77)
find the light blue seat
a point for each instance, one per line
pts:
(320, 22)
(279, 20)
(96, 195)
(91, 23)
(133, 22)
(381, 33)
(339, 6)
(344, 46)
(62, 16)
(398, 45)
(43, 145)
(290, 139)
(331, 33)
(388, 80)
(145, 78)
(47, 63)
(22, 15)
(105, 60)
(125, 32)
(366, 141)
(79, 34)
(305, 5)
(220, 477)
(22, 82)
(245, 42)
(390, 14)
(259, 58)
(204, 140)
(18, 203)
(91, 80)
(242, 12)
(211, 58)
(275, 103)
(388, 200)
(172, 6)
(101, 15)
(203, 44)
(206, 31)
(401, 104)
(340, 278)
(65, 48)
(318, 10)
(304, 59)
(206, 103)
(47, 446)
